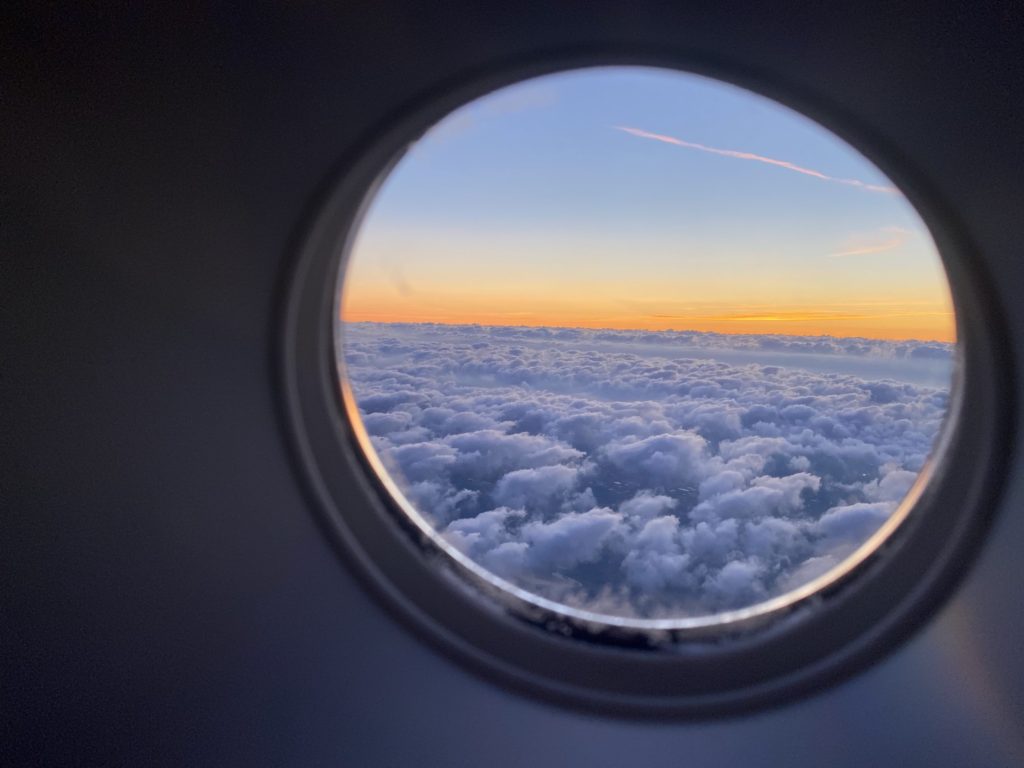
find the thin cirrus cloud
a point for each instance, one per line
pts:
(757, 158)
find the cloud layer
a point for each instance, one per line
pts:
(637, 483)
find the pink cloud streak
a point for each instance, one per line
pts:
(898, 238)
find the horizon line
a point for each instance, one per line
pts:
(342, 320)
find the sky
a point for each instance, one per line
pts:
(637, 198)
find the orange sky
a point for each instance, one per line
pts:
(716, 302)
(886, 283)
(884, 320)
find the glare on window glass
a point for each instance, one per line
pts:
(645, 344)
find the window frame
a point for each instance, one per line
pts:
(699, 670)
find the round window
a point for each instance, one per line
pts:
(641, 391)
(645, 347)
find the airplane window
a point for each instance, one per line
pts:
(644, 347)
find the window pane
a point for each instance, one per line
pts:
(646, 344)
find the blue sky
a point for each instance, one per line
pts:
(533, 191)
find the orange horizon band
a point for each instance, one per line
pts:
(782, 324)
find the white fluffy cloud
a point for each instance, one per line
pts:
(649, 473)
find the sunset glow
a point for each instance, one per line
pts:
(881, 320)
